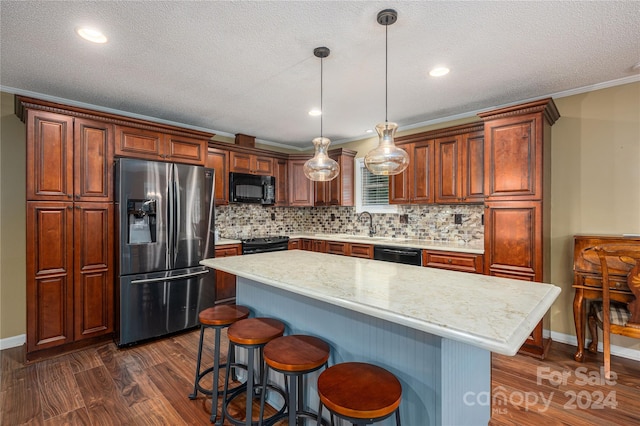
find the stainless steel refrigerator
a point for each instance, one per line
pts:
(165, 227)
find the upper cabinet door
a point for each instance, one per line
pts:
(218, 160)
(513, 158)
(400, 185)
(93, 174)
(139, 143)
(183, 149)
(49, 156)
(447, 170)
(472, 167)
(422, 158)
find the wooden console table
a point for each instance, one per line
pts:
(587, 278)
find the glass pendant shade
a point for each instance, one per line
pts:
(321, 168)
(386, 158)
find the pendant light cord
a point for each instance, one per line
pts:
(321, 108)
(386, 72)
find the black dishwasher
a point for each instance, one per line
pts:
(408, 256)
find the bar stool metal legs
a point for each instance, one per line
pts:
(251, 334)
(217, 318)
(294, 356)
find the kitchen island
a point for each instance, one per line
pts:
(434, 329)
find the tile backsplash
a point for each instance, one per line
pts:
(430, 222)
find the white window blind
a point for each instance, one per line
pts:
(372, 191)
(375, 188)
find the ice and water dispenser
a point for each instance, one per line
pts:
(142, 221)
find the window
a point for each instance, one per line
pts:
(372, 191)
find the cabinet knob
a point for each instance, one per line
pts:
(69, 207)
(449, 260)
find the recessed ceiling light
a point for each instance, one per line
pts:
(315, 112)
(91, 35)
(369, 131)
(439, 72)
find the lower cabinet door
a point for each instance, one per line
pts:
(93, 270)
(49, 274)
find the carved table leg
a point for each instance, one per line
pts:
(593, 330)
(578, 319)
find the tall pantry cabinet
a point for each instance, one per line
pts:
(70, 228)
(517, 190)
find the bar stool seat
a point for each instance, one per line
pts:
(359, 392)
(251, 334)
(216, 317)
(294, 356)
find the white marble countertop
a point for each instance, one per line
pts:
(474, 246)
(496, 314)
(223, 241)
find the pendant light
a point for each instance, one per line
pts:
(321, 168)
(386, 158)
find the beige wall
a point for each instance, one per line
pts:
(595, 183)
(595, 189)
(12, 222)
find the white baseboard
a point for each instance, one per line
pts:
(620, 351)
(12, 342)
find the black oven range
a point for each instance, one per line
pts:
(264, 244)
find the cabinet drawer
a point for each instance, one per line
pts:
(464, 262)
(364, 251)
(335, 247)
(229, 250)
(615, 283)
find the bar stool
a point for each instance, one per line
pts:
(250, 334)
(359, 393)
(294, 356)
(216, 317)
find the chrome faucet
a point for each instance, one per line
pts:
(372, 229)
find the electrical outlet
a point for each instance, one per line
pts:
(457, 219)
(273, 216)
(333, 217)
(404, 218)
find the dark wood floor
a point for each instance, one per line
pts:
(148, 385)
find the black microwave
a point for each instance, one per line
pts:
(245, 188)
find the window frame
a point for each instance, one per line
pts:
(371, 208)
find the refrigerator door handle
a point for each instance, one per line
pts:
(177, 206)
(171, 204)
(175, 277)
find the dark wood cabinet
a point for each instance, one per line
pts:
(301, 192)
(49, 156)
(49, 275)
(160, 145)
(472, 167)
(416, 184)
(340, 190)
(226, 282)
(93, 289)
(93, 160)
(517, 210)
(218, 160)
(454, 261)
(280, 169)
(447, 168)
(295, 244)
(70, 214)
(337, 247)
(243, 162)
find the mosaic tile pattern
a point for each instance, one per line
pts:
(430, 222)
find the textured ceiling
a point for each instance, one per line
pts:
(248, 67)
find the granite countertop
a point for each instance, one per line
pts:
(496, 314)
(474, 246)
